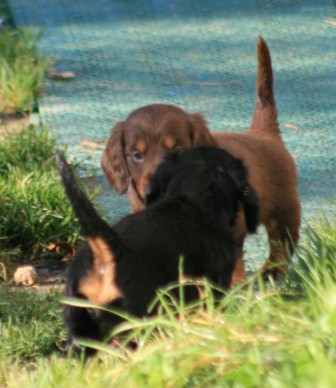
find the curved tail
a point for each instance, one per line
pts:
(265, 118)
(92, 225)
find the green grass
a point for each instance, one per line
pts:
(26, 151)
(264, 335)
(31, 323)
(22, 70)
(33, 208)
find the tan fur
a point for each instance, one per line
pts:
(169, 142)
(99, 286)
(141, 146)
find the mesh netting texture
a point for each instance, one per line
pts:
(200, 55)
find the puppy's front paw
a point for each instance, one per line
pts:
(74, 349)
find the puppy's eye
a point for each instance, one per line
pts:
(138, 156)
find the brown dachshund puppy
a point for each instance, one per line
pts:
(137, 145)
(192, 205)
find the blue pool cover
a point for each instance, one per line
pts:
(200, 55)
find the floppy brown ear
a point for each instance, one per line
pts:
(113, 160)
(199, 132)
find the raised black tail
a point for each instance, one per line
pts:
(265, 118)
(91, 223)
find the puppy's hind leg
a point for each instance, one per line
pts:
(239, 273)
(79, 324)
(283, 234)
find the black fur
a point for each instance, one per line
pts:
(192, 203)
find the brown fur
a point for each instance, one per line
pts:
(137, 145)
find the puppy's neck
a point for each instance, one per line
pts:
(210, 209)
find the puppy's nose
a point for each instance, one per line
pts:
(145, 181)
(148, 190)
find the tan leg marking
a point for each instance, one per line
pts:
(99, 286)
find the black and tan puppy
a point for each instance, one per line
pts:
(192, 203)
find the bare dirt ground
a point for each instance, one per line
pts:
(13, 122)
(50, 273)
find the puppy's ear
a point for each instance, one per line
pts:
(249, 200)
(246, 195)
(113, 160)
(199, 132)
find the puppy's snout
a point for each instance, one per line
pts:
(143, 187)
